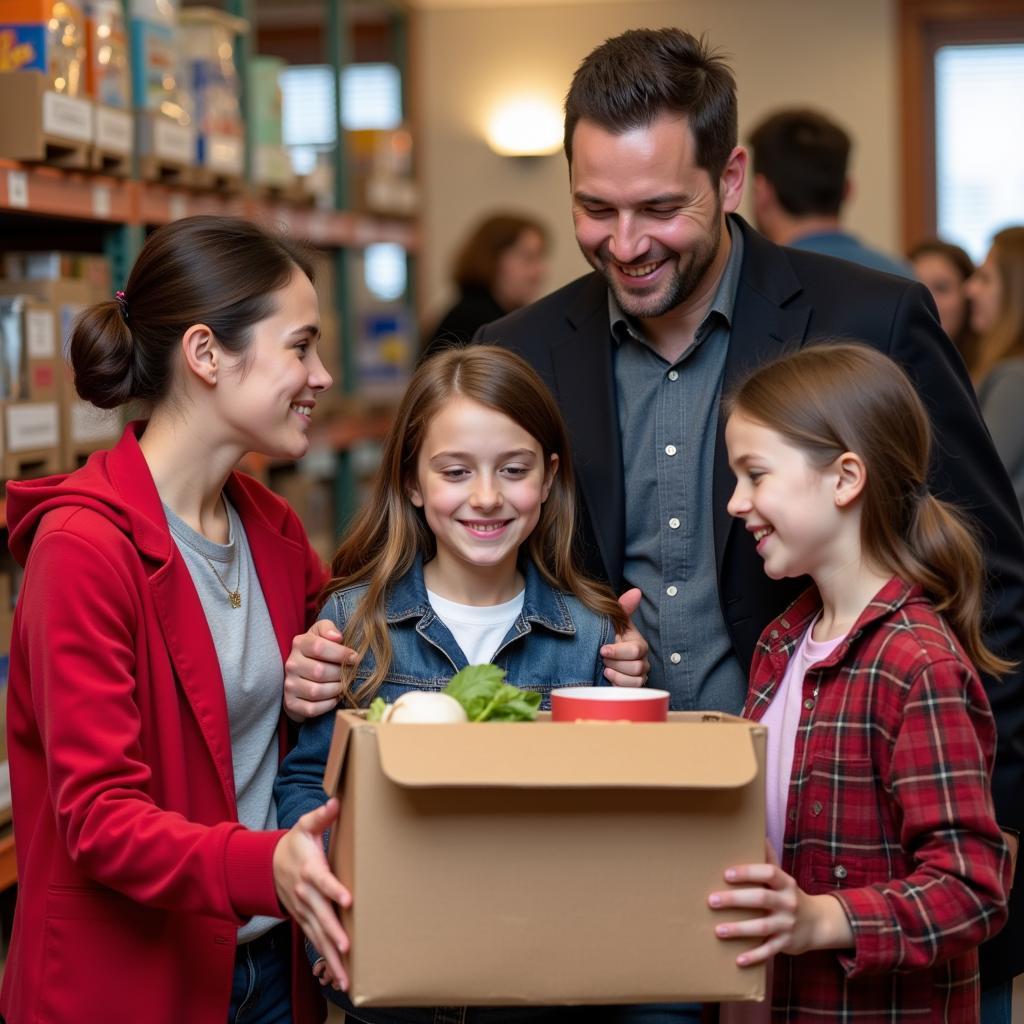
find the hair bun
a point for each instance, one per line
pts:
(103, 356)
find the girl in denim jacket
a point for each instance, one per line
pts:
(463, 555)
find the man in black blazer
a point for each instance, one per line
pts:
(685, 299)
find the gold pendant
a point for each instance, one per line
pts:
(235, 598)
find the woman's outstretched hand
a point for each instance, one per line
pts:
(308, 890)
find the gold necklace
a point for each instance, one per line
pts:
(234, 596)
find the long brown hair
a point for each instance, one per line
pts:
(1006, 338)
(389, 531)
(836, 398)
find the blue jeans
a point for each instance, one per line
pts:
(261, 992)
(997, 1003)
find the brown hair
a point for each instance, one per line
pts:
(476, 264)
(631, 80)
(836, 398)
(218, 271)
(966, 340)
(1006, 338)
(389, 531)
(803, 154)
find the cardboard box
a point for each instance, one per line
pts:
(30, 363)
(544, 863)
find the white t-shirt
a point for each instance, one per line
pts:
(478, 631)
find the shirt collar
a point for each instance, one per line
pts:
(722, 306)
(542, 604)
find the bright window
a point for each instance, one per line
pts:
(979, 146)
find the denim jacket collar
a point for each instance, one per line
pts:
(542, 604)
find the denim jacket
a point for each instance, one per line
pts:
(555, 641)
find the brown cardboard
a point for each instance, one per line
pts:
(544, 863)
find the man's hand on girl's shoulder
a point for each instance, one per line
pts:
(312, 673)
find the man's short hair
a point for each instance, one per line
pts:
(631, 80)
(804, 156)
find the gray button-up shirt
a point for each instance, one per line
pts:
(668, 416)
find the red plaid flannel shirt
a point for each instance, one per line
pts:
(890, 811)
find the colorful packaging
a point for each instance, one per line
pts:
(47, 37)
(107, 76)
(208, 37)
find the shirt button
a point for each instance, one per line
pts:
(816, 808)
(809, 703)
(673, 375)
(774, 634)
(672, 591)
(839, 871)
(670, 449)
(674, 523)
(675, 657)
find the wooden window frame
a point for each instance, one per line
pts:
(925, 26)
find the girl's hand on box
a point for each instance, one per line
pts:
(625, 661)
(792, 921)
(309, 891)
(312, 673)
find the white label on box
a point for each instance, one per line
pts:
(17, 189)
(101, 201)
(225, 153)
(113, 130)
(41, 334)
(179, 206)
(67, 116)
(89, 424)
(173, 142)
(32, 426)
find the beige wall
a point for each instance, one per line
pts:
(836, 55)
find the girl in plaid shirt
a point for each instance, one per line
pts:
(890, 867)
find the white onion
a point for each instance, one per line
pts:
(423, 707)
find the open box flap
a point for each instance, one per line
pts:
(542, 755)
(344, 722)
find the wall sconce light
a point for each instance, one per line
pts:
(525, 127)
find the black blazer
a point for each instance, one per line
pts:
(786, 299)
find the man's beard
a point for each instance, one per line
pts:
(678, 289)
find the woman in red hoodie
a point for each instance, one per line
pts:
(161, 594)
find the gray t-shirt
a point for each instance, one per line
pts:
(250, 665)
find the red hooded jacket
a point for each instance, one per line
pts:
(133, 870)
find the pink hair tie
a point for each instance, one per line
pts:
(123, 303)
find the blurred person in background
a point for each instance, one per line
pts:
(996, 293)
(944, 268)
(800, 185)
(500, 267)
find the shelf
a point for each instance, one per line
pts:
(53, 192)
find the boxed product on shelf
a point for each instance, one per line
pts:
(382, 172)
(209, 37)
(108, 82)
(30, 363)
(91, 268)
(165, 134)
(47, 116)
(271, 164)
(31, 439)
(48, 36)
(81, 428)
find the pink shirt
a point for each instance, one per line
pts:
(783, 720)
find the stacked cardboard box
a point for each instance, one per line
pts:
(46, 427)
